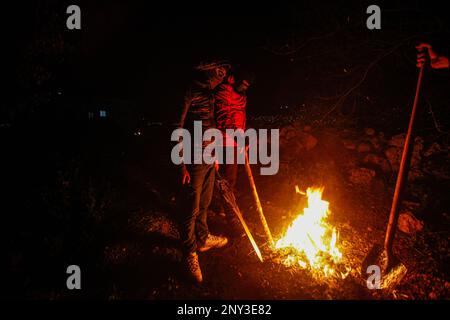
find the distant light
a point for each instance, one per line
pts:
(102, 113)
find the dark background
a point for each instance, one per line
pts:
(71, 183)
(142, 52)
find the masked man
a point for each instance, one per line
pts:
(198, 179)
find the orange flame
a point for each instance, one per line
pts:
(312, 237)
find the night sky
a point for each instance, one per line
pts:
(143, 52)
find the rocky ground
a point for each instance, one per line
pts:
(127, 242)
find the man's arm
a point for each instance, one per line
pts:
(436, 61)
(185, 176)
(440, 62)
(185, 108)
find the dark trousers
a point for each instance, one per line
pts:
(198, 194)
(229, 172)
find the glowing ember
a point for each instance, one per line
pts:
(312, 240)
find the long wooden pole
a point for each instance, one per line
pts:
(256, 197)
(249, 234)
(406, 155)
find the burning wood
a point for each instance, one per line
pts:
(310, 242)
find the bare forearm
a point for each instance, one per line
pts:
(440, 63)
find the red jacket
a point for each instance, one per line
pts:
(229, 108)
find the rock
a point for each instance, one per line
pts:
(432, 296)
(397, 141)
(288, 132)
(361, 176)
(376, 143)
(379, 161)
(348, 144)
(369, 131)
(296, 139)
(309, 141)
(418, 145)
(435, 148)
(393, 155)
(415, 173)
(364, 147)
(162, 225)
(408, 223)
(411, 204)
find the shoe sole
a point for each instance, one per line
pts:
(209, 248)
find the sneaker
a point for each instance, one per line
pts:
(193, 267)
(213, 242)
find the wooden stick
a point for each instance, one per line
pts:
(249, 234)
(402, 173)
(256, 197)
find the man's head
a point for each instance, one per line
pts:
(215, 71)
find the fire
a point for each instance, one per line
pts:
(313, 242)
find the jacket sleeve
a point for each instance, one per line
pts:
(185, 108)
(182, 118)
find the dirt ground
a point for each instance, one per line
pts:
(126, 242)
(359, 213)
